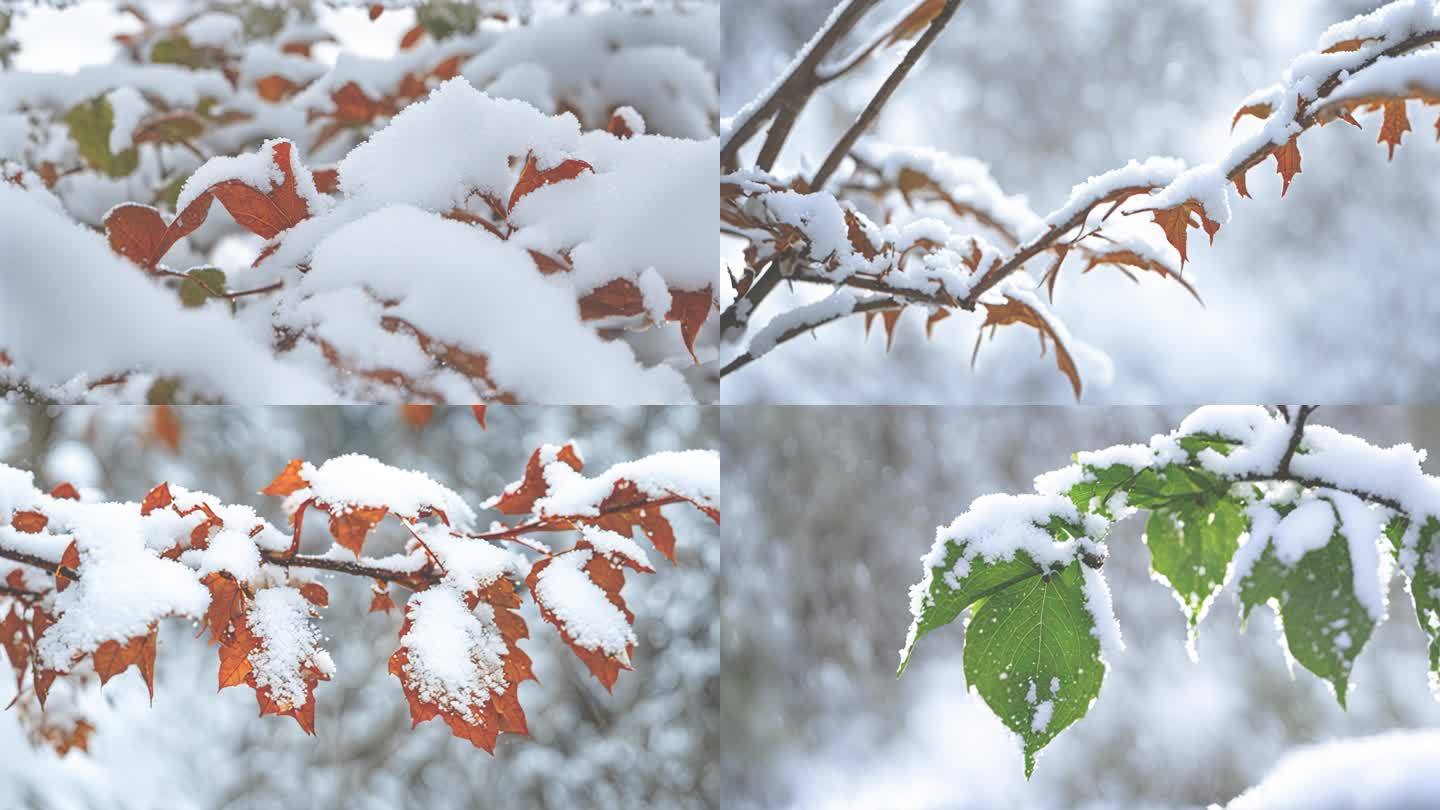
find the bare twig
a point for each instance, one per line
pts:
(1297, 433)
(882, 96)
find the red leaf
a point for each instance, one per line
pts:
(532, 177)
(375, 11)
(604, 664)
(112, 658)
(226, 612)
(417, 416)
(1287, 162)
(380, 599)
(69, 560)
(327, 181)
(136, 232)
(411, 37)
(479, 411)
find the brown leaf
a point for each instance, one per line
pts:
(226, 612)
(29, 522)
(157, 498)
(532, 177)
(1014, 311)
(316, 594)
(274, 87)
(859, 240)
(1287, 162)
(350, 527)
(417, 416)
(288, 481)
(690, 308)
(1240, 185)
(1261, 111)
(16, 641)
(327, 181)
(380, 599)
(411, 37)
(1395, 124)
(609, 579)
(935, 317)
(479, 411)
(375, 11)
(112, 658)
(235, 666)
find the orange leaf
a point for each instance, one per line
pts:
(1287, 162)
(29, 522)
(614, 298)
(411, 37)
(1395, 124)
(375, 11)
(1013, 311)
(65, 491)
(935, 317)
(1240, 185)
(1261, 111)
(112, 658)
(69, 560)
(350, 527)
(352, 106)
(479, 411)
(226, 612)
(235, 666)
(532, 177)
(274, 87)
(518, 498)
(417, 416)
(891, 317)
(288, 481)
(165, 426)
(609, 579)
(1345, 45)
(327, 181)
(157, 498)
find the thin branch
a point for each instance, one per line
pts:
(53, 566)
(1297, 432)
(868, 305)
(882, 96)
(796, 87)
(356, 568)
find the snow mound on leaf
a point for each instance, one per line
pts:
(465, 287)
(582, 608)
(125, 586)
(60, 290)
(437, 150)
(359, 480)
(455, 656)
(1393, 771)
(690, 474)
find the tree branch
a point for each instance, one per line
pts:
(1297, 433)
(53, 566)
(882, 96)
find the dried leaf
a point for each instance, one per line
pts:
(316, 594)
(1014, 311)
(1287, 162)
(690, 308)
(1395, 124)
(532, 177)
(351, 526)
(479, 411)
(29, 522)
(1261, 111)
(288, 481)
(157, 498)
(520, 497)
(65, 491)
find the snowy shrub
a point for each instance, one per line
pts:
(86, 582)
(892, 228)
(1302, 518)
(506, 210)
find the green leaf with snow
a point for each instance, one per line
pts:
(90, 123)
(1172, 485)
(1032, 653)
(1325, 622)
(177, 50)
(1094, 493)
(1191, 545)
(955, 585)
(1425, 593)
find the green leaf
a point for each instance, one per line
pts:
(1173, 484)
(201, 284)
(1325, 623)
(948, 596)
(1031, 651)
(444, 19)
(169, 194)
(1425, 592)
(1191, 546)
(90, 123)
(177, 50)
(1196, 442)
(162, 391)
(1103, 482)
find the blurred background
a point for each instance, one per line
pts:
(650, 744)
(1336, 276)
(828, 512)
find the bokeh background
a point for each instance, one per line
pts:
(650, 744)
(828, 512)
(1326, 295)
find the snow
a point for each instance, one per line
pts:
(1390, 771)
(1302, 531)
(840, 303)
(129, 107)
(470, 565)
(359, 480)
(614, 545)
(525, 324)
(255, 169)
(1102, 613)
(176, 86)
(690, 474)
(1043, 711)
(214, 29)
(124, 586)
(581, 608)
(261, 59)
(289, 645)
(60, 273)
(1149, 173)
(454, 655)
